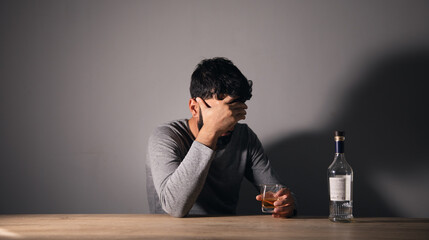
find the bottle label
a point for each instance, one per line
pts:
(340, 187)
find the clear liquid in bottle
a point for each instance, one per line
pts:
(340, 183)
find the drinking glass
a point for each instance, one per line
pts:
(268, 192)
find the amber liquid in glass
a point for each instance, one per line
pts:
(268, 202)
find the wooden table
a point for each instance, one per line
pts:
(144, 226)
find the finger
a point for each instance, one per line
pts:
(283, 215)
(284, 197)
(284, 200)
(281, 204)
(284, 211)
(286, 214)
(238, 105)
(259, 197)
(240, 117)
(283, 191)
(228, 99)
(287, 202)
(202, 103)
(240, 112)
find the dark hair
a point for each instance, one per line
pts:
(219, 76)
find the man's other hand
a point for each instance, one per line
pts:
(284, 206)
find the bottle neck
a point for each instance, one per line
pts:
(339, 147)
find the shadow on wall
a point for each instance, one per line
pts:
(386, 122)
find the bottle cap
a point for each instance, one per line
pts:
(339, 133)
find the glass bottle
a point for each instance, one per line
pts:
(340, 180)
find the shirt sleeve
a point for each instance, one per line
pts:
(259, 169)
(178, 181)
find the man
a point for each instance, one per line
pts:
(195, 166)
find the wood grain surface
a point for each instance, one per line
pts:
(145, 226)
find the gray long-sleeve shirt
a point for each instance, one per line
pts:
(187, 177)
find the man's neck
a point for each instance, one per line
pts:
(193, 126)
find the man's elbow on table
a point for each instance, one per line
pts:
(174, 208)
(176, 213)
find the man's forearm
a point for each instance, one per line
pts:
(179, 187)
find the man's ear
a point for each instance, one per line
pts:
(194, 107)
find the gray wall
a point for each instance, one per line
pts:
(83, 83)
